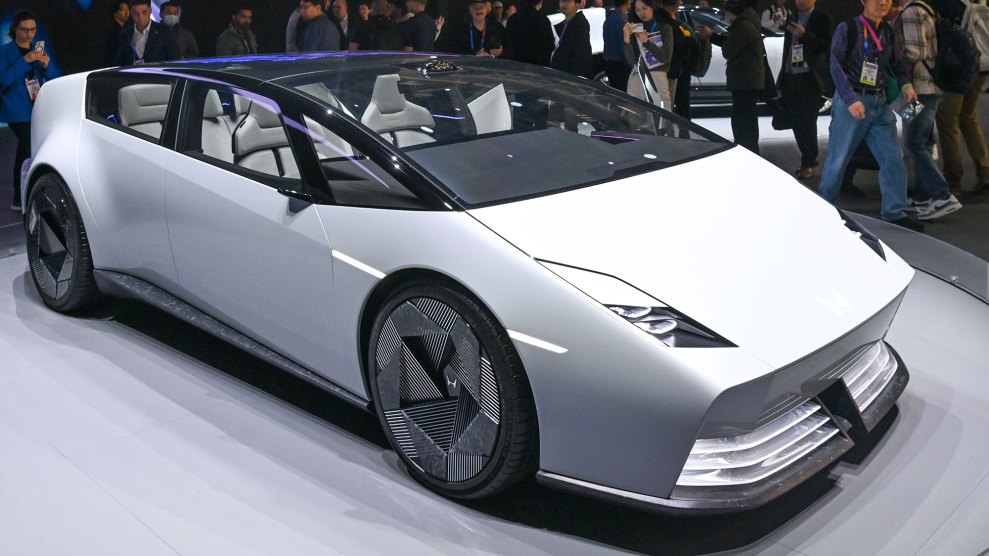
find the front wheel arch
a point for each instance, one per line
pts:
(521, 457)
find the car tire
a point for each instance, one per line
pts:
(58, 247)
(450, 392)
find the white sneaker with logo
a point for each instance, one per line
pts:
(937, 209)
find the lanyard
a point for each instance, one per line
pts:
(564, 31)
(868, 29)
(470, 33)
(653, 28)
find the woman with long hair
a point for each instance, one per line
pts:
(650, 53)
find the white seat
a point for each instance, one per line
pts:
(392, 116)
(216, 134)
(327, 143)
(143, 107)
(260, 144)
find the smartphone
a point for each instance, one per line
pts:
(39, 46)
(637, 28)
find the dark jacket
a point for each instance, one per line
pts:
(573, 53)
(112, 43)
(530, 37)
(188, 47)
(466, 39)
(232, 42)
(420, 32)
(817, 49)
(743, 50)
(161, 45)
(379, 32)
(846, 67)
(684, 45)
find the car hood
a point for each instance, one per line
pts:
(728, 240)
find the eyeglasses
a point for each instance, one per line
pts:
(24, 30)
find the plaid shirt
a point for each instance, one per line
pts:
(917, 38)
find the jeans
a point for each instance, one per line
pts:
(957, 114)
(878, 129)
(918, 138)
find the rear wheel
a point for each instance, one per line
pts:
(58, 248)
(450, 392)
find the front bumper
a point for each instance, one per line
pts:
(836, 402)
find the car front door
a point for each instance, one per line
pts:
(245, 250)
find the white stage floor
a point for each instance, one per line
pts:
(131, 433)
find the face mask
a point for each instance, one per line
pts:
(170, 20)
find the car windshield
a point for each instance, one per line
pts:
(492, 132)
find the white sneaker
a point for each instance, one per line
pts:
(916, 206)
(937, 209)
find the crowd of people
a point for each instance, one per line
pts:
(880, 60)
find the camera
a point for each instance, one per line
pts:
(637, 28)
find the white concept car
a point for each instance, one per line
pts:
(520, 272)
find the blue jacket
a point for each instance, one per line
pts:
(15, 102)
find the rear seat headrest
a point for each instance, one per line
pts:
(144, 103)
(212, 108)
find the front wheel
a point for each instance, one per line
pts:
(58, 248)
(451, 393)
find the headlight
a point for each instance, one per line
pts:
(670, 327)
(639, 308)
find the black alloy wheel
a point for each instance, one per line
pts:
(57, 247)
(451, 393)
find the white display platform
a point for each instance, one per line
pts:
(130, 433)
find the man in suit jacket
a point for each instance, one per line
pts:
(805, 78)
(573, 51)
(145, 41)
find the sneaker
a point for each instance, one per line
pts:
(16, 205)
(908, 223)
(938, 208)
(916, 206)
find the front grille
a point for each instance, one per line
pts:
(868, 373)
(751, 457)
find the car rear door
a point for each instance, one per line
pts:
(250, 255)
(121, 161)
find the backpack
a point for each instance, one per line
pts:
(956, 64)
(975, 22)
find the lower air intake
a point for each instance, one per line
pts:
(751, 457)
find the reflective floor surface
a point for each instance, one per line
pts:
(127, 432)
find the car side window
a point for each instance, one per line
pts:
(353, 178)
(228, 127)
(140, 108)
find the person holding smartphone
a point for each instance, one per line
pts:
(25, 65)
(649, 47)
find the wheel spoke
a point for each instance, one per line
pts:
(437, 390)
